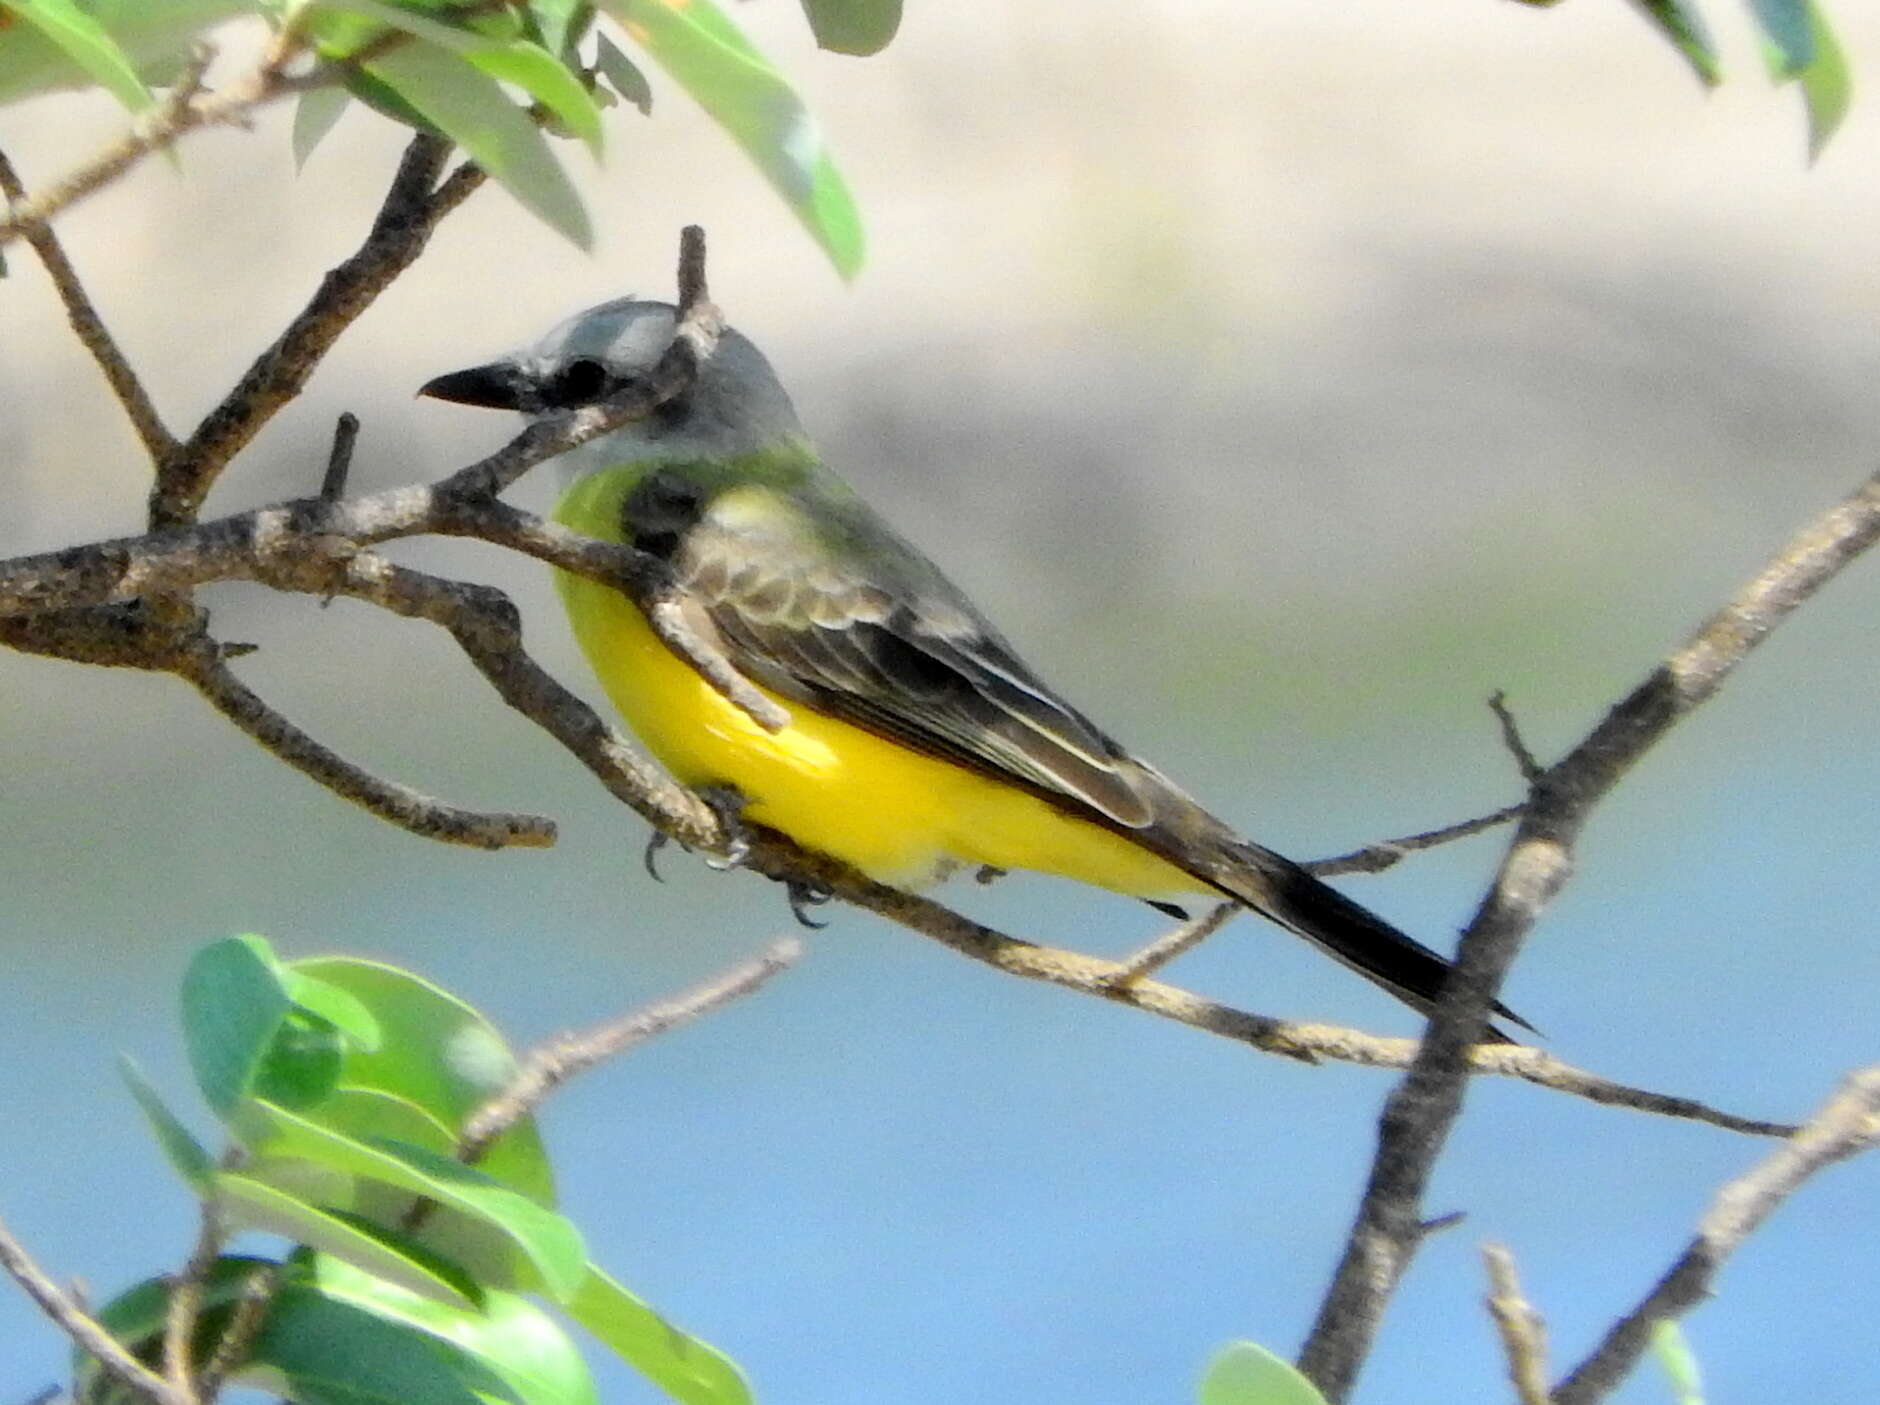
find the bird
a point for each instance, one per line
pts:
(918, 741)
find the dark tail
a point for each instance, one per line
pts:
(1281, 891)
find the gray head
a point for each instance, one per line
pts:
(736, 405)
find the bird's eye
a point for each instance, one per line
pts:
(579, 383)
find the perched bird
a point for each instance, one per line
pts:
(918, 740)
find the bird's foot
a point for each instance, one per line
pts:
(727, 802)
(803, 895)
(656, 841)
(987, 874)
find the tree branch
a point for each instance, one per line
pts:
(62, 602)
(553, 1062)
(206, 668)
(411, 210)
(1170, 945)
(1421, 1110)
(84, 1330)
(96, 337)
(317, 548)
(1388, 853)
(1849, 1123)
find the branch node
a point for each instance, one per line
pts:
(1531, 770)
(1166, 948)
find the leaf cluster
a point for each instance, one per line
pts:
(343, 1087)
(499, 78)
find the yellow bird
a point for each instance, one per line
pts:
(918, 740)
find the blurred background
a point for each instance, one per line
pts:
(1284, 379)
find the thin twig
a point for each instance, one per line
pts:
(408, 809)
(404, 223)
(244, 1324)
(1422, 1109)
(180, 110)
(85, 1331)
(1531, 770)
(89, 326)
(775, 856)
(184, 1310)
(555, 1061)
(1170, 945)
(1387, 853)
(1523, 1334)
(1849, 1123)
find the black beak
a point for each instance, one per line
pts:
(497, 386)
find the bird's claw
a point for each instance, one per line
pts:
(656, 841)
(727, 803)
(803, 895)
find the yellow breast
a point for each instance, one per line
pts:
(899, 816)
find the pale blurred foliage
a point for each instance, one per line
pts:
(1485, 262)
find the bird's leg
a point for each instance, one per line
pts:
(987, 874)
(727, 802)
(804, 894)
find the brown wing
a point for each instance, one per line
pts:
(847, 618)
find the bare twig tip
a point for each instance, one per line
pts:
(691, 279)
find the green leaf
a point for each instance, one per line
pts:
(560, 24)
(1679, 23)
(1827, 83)
(302, 1063)
(623, 74)
(86, 43)
(136, 1317)
(254, 1203)
(1243, 1373)
(184, 1153)
(689, 1370)
(153, 36)
(439, 1054)
(470, 108)
(529, 66)
(338, 1007)
(853, 26)
(234, 1002)
(337, 1336)
(1680, 1365)
(318, 110)
(549, 1243)
(381, 98)
(435, 1050)
(544, 77)
(340, 28)
(1788, 38)
(370, 1112)
(513, 1344)
(708, 56)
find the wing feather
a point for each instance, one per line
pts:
(879, 638)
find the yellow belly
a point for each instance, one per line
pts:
(900, 817)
